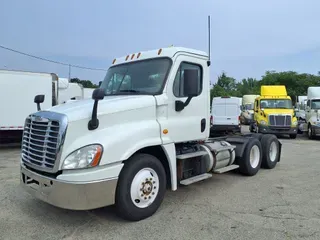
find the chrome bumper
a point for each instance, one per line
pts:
(69, 195)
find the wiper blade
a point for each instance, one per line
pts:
(130, 90)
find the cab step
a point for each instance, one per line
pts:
(195, 179)
(191, 155)
(226, 169)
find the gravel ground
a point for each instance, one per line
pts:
(282, 203)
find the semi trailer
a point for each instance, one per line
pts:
(144, 131)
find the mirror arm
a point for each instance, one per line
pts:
(179, 105)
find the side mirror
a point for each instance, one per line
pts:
(190, 88)
(38, 99)
(98, 94)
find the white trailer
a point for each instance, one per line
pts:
(69, 91)
(136, 138)
(312, 115)
(17, 92)
(87, 92)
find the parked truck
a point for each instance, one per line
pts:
(145, 129)
(17, 91)
(312, 115)
(247, 108)
(274, 113)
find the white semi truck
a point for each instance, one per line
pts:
(247, 108)
(145, 129)
(312, 115)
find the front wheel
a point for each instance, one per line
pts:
(310, 132)
(141, 187)
(293, 136)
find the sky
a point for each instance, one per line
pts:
(248, 37)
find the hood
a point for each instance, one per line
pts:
(278, 111)
(82, 109)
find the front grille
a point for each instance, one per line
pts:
(281, 121)
(41, 141)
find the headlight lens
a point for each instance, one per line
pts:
(85, 157)
(294, 123)
(263, 123)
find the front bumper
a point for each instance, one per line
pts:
(69, 195)
(315, 130)
(277, 130)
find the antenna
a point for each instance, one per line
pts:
(209, 42)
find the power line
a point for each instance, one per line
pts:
(52, 61)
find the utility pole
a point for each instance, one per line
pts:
(69, 72)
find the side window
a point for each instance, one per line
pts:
(178, 81)
(256, 105)
(308, 103)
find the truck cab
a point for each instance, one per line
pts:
(312, 115)
(274, 113)
(145, 130)
(247, 108)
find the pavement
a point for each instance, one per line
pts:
(282, 203)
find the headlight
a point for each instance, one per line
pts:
(85, 157)
(263, 123)
(294, 123)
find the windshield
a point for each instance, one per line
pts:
(315, 104)
(248, 106)
(142, 77)
(276, 103)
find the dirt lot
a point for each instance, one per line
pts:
(282, 203)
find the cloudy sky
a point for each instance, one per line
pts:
(248, 36)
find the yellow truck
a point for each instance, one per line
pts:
(274, 113)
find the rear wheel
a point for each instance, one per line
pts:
(252, 157)
(141, 187)
(270, 151)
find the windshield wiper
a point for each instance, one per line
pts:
(130, 90)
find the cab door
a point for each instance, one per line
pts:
(193, 122)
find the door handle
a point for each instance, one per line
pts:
(228, 118)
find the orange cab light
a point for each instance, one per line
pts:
(114, 60)
(97, 157)
(165, 131)
(127, 57)
(159, 52)
(132, 56)
(138, 55)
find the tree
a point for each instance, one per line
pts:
(84, 83)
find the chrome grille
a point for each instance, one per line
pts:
(280, 120)
(43, 136)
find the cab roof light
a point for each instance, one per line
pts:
(138, 55)
(160, 50)
(127, 57)
(132, 56)
(114, 61)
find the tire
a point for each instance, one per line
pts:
(310, 132)
(142, 178)
(246, 167)
(270, 151)
(293, 136)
